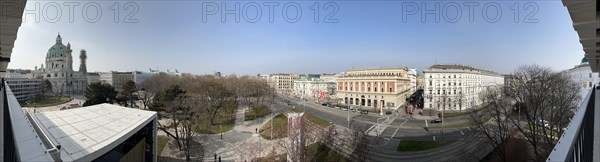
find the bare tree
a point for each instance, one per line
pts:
(498, 129)
(544, 98)
(358, 143)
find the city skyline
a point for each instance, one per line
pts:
(366, 34)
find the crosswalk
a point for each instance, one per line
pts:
(378, 129)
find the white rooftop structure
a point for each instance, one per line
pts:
(87, 133)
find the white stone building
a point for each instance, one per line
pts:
(58, 69)
(313, 88)
(412, 75)
(283, 83)
(582, 75)
(456, 87)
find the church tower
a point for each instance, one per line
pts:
(83, 58)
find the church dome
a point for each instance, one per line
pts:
(584, 60)
(58, 50)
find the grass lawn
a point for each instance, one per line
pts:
(317, 120)
(257, 112)
(279, 127)
(464, 112)
(314, 119)
(162, 141)
(204, 128)
(50, 101)
(409, 145)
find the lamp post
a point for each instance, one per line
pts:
(349, 107)
(272, 118)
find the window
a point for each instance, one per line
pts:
(390, 89)
(454, 75)
(590, 84)
(430, 83)
(590, 76)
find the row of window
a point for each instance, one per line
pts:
(444, 92)
(378, 74)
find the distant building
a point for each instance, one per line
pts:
(23, 86)
(262, 77)
(456, 87)
(140, 77)
(313, 88)
(93, 78)
(584, 77)
(283, 83)
(25, 89)
(412, 75)
(509, 81)
(59, 69)
(328, 77)
(116, 79)
(376, 88)
(420, 82)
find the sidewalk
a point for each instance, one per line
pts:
(239, 144)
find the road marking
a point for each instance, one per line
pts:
(461, 132)
(394, 133)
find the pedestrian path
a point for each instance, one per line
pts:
(241, 143)
(240, 114)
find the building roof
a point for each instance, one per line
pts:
(58, 50)
(379, 68)
(458, 67)
(89, 132)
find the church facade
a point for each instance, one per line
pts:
(58, 69)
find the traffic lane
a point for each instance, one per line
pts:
(423, 134)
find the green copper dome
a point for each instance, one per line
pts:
(58, 50)
(584, 60)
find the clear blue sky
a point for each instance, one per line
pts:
(172, 35)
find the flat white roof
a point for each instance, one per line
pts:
(89, 132)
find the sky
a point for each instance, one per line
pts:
(203, 37)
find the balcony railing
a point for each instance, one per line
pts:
(581, 140)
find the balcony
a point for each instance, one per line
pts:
(581, 140)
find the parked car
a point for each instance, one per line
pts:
(436, 121)
(364, 112)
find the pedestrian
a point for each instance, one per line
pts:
(221, 135)
(219, 158)
(256, 130)
(215, 156)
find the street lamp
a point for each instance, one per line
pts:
(272, 118)
(349, 107)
